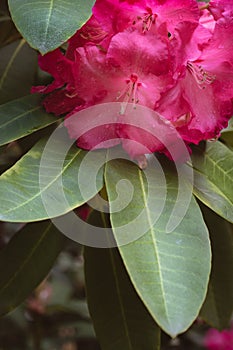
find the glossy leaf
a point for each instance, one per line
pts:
(120, 319)
(170, 271)
(18, 66)
(26, 196)
(26, 261)
(213, 178)
(47, 24)
(227, 134)
(22, 117)
(218, 307)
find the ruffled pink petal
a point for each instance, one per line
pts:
(95, 127)
(221, 8)
(90, 33)
(145, 131)
(209, 115)
(56, 64)
(60, 102)
(115, 16)
(90, 72)
(175, 11)
(137, 52)
(173, 105)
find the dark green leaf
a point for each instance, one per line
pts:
(218, 307)
(213, 178)
(32, 188)
(120, 319)
(170, 271)
(25, 262)
(18, 66)
(22, 117)
(48, 24)
(227, 134)
(8, 32)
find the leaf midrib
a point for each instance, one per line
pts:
(50, 10)
(214, 184)
(24, 262)
(120, 300)
(11, 61)
(218, 167)
(18, 116)
(115, 275)
(152, 233)
(46, 187)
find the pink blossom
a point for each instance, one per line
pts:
(56, 64)
(117, 15)
(216, 340)
(201, 99)
(221, 8)
(170, 56)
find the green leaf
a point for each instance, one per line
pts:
(170, 271)
(35, 181)
(25, 262)
(120, 319)
(213, 178)
(218, 307)
(18, 66)
(8, 32)
(227, 134)
(22, 117)
(48, 24)
(229, 127)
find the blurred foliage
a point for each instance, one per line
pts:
(55, 316)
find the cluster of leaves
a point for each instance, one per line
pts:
(160, 279)
(55, 315)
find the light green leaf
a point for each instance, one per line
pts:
(170, 271)
(22, 117)
(25, 262)
(48, 24)
(218, 307)
(31, 189)
(18, 66)
(213, 178)
(120, 319)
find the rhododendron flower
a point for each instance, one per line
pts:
(216, 340)
(173, 57)
(117, 15)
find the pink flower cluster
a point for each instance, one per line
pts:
(172, 56)
(216, 340)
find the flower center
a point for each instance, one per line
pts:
(92, 34)
(201, 76)
(129, 94)
(147, 19)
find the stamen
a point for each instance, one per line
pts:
(204, 7)
(147, 22)
(148, 19)
(70, 95)
(201, 76)
(93, 35)
(182, 120)
(129, 94)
